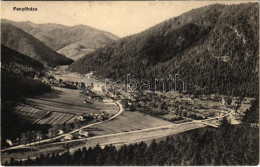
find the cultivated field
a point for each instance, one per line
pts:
(69, 101)
(30, 113)
(127, 121)
(57, 118)
(61, 106)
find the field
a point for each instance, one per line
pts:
(30, 113)
(115, 139)
(127, 121)
(69, 101)
(57, 118)
(61, 73)
(65, 105)
(61, 106)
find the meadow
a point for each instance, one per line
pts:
(127, 121)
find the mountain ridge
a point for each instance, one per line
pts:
(20, 41)
(203, 42)
(71, 41)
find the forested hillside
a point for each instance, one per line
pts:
(14, 61)
(18, 40)
(17, 82)
(214, 49)
(71, 41)
(17, 73)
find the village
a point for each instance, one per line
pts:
(179, 108)
(170, 106)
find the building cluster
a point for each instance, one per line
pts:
(185, 106)
(92, 96)
(80, 134)
(96, 117)
(62, 84)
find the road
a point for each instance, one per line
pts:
(121, 110)
(116, 139)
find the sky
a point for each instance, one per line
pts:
(121, 18)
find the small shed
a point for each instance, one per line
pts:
(68, 137)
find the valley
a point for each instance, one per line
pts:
(183, 91)
(62, 108)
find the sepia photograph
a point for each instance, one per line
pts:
(130, 83)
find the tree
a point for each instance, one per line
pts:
(34, 136)
(39, 136)
(29, 136)
(68, 127)
(224, 125)
(12, 161)
(23, 138)
(60, 81)
(76, 123)
(51, 132)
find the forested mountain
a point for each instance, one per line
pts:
(214, 49)
(22, 42)
(17, 62)
(73, 42)
(17, 75)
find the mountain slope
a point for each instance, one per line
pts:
(14, 61)
(17, 73)
(18, 40)
(214, 49)
(73, 42)
(17, 82)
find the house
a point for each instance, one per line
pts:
(98, 88)
(9, 142)
(214, 97)
(80, 118)
(97, 98)
(223, 101)
(100, 117)
(248, 100)
(199, 115)
(60, 132)
(68, 137)
(39, 137)
(90, 75)
(83, 133)
(235, 101)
